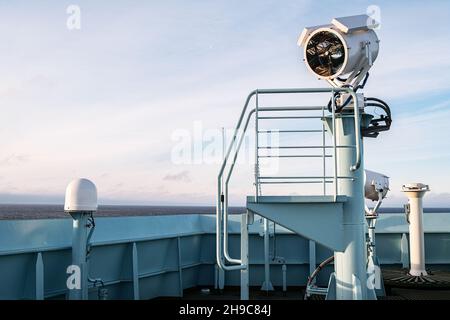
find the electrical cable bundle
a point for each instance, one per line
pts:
(377, 124)
(381, 123)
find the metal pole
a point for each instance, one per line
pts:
(267, 284)
(415, 193)
(324, 154)
(350, 265)
(312, 258)
(256, 147)
(221, 272)
(371, 222)
(244, 257)
(373, 265)
(81, 203)
(416, 238)
(79, 246)
(335, 159)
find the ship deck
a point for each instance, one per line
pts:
(297, 293)
(174, 256)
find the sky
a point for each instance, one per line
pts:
(112, 100)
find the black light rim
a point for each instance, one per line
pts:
(325, 54)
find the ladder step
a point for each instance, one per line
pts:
(300, 156)
(304, 177)
(292, 131)
(289, 117)
(295, 182)
(303, 147)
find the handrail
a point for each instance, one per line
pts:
(225, 215)
(222, 197)
(333, 114)
(357, 131)
(233, 162)
(257, 185)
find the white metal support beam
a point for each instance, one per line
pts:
(244, 257)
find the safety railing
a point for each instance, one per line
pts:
(222, 253)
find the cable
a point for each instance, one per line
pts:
(361, 86)
(377, 125)
(91, 225)
(316, 271)
(378, 105)
(330, 102)
(377, 100)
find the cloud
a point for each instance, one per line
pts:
(14, 159)
(181, 176)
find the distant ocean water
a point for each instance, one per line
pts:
(39, 211)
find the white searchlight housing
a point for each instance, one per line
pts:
(81, 196)
(376, 185)
(346, 47)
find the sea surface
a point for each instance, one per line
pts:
(40, 211)
(43, 211)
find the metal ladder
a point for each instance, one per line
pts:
(224, 261)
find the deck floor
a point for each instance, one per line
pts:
(297, 293)
(398, 285)
(233, 293)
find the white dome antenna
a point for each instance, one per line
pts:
(81, 195)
